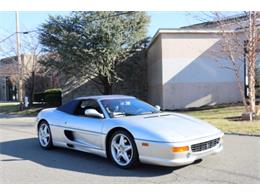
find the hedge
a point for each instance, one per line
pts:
(52, 97)
(38, 97)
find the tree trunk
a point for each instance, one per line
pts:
(107, 87)
(241, 89)
(251, 61)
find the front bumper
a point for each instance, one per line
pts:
(160, 153)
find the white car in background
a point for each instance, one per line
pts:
(127, 131)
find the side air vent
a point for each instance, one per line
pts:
(69, 135)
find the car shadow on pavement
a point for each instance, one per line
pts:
(62, 158)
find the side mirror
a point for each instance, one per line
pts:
(93, 113)
(157, 107)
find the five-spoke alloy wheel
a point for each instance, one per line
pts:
(123, 150)
(44, 135)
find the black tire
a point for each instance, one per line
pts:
(135, 156)
(49, 144)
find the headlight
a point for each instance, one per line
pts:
(180, 149)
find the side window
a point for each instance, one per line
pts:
(87, 104)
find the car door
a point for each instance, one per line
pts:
(83, 130)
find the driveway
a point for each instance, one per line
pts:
(23, 161)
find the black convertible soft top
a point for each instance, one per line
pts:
(69, 107)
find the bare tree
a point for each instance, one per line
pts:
(232, 47)
(29, 65)
(253, 39)
(238, 44)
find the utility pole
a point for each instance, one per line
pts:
(19, 61)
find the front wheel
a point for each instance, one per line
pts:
(122, 150)
(44, 135)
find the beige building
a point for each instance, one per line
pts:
(183, 72)
(186, 65)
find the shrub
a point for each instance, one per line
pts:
(257, 92)
(38, 97)
(52, 97)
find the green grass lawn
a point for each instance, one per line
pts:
(7, 107)
(227, 118)
(13, 108)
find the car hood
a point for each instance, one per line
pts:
(170, 127)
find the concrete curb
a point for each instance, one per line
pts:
(243, 134)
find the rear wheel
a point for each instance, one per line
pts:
(122, 149)
(44, 135)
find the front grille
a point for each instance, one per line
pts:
(204, 145)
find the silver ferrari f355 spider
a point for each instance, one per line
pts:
(127, 131)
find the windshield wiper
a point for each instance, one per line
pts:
(144, 113)
(115, 114)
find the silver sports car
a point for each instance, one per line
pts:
(128, 131)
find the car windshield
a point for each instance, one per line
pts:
(127, 107)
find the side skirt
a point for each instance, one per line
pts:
(81, 147)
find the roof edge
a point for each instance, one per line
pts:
(185, 31)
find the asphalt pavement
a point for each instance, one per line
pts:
(22, 160)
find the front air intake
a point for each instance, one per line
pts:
(204, 145)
